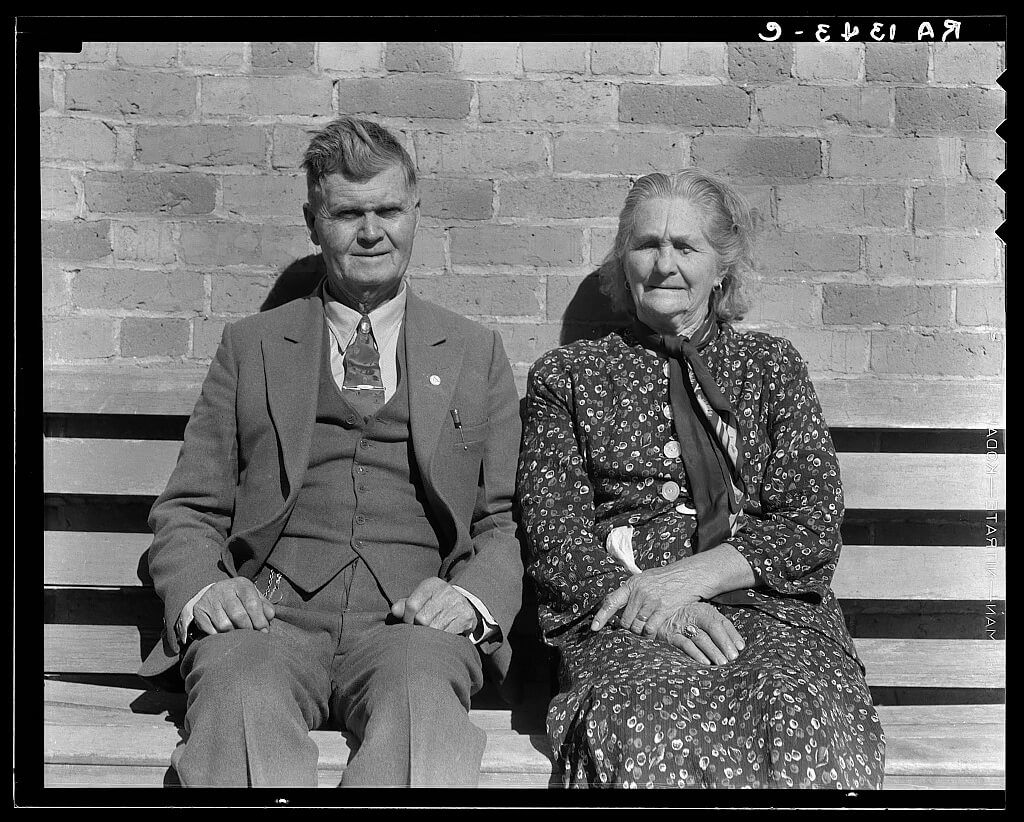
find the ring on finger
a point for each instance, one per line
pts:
(690, 630)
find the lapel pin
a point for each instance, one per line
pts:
(435, 380)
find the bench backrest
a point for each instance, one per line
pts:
(922, 587)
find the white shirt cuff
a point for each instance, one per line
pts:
(185, 617)
(487, 626)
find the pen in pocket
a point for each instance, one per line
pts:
(458, 425)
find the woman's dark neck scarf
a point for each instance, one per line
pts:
(708, 432)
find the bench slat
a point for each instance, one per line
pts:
(863, 403)
(953, 747)
(915, 572)
(870, 480)
(890, 662)
(105, 776)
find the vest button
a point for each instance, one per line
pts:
(364, 444)
(351, 420)
(360, 519)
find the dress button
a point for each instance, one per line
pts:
(683, 508)
(666, 409)
(670, 490)
(671, 449)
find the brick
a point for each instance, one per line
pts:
(981, 305)
(239, 293)
(148, 192)
(618, 153)
(608, 57)
(457, 199)
(895, 158)
(400, 56)
(568, 57)
(406, 96)
(747, 157)
(855, 106)
(789, 106)
(972, 63)
(493, 295)
(158, 55)
(357, 56)
(201, 145)
(494, 153)
(265, 195)
(852, 304)
(130, 93)
(971, 208)
(828, 61)
(150, 241)
(786, 303)
(684, 105)
(206, 335)
(757, 62)
(527, 342)
(940, 353)
(826, 351)
(986, 159)
(212, 55)
(78, 338)
(949, 110)
(428, 249)
(56, 292)
(221, 243)
(932, 258)
(75, 240)
(840, 207)
(760, 199)
(799, 253)
(602, 240)
(127, 290)
(517, 245)
(547, 101)
(281, 57)
(486, 58)
(148, 337)
(58, 190)
(896, 62)
(578, 295)
(694, 60)
(92, 52)
(289, 145)
(266, 96)
(45, 89)
(76, 140)
(562, 198)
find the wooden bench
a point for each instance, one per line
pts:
(922, 591)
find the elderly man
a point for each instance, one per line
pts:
(336, 543)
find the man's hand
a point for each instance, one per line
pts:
(436, 604)
(231, 604)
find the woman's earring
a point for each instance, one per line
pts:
(626, 281)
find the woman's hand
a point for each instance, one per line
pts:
(702, 633)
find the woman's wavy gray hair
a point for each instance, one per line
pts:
(730, 227)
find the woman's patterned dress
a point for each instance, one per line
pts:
(793, 710)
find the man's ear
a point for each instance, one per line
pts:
(310, 217)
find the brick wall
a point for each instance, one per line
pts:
(171, 189)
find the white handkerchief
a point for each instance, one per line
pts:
(620, 545)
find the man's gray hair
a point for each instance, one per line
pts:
(356, 149)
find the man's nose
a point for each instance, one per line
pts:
(370, 229)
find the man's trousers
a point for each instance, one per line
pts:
(336, 659)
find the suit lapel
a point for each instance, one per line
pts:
(433, 355)
(292, 369)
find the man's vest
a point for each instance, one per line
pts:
(361, 496)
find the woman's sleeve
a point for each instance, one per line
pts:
(555, 500)
(793, 546)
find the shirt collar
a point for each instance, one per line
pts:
(386, 318)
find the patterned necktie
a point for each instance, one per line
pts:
(363, 388)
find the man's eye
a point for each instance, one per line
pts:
(389, 212)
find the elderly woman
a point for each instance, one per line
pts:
(681, 499)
